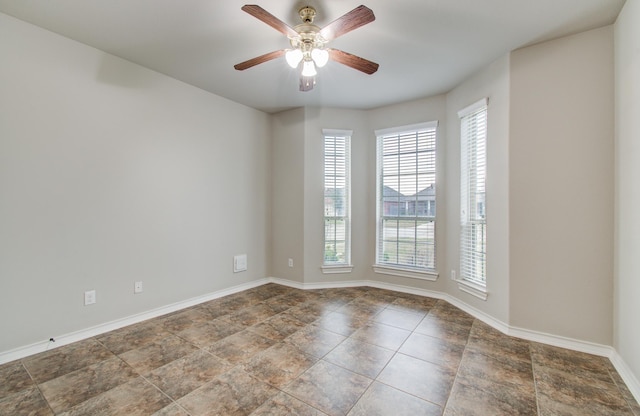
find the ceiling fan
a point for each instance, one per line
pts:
(308, 42)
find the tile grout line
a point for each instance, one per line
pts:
(37, 387)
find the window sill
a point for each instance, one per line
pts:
(338, 268)
(431, 276)
(473, 288)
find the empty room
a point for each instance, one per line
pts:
(319, 207)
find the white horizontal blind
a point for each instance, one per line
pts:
(406, 197)
(336, 198)
(473, 238)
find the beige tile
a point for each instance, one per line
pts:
(252, 315)
(272, 290)
(433, 350)
(279, 364)
(449, 331)
(14, 379)
(232, 393)
(240, 347)
(285, 405)
(501, 370)
(560, 391)
(472, 397)
(399, 318)
(578, 363)
(207, 333)
(135, 398)
(133, 336)
(308, 313)
(172, 410)
(315, 341)
(25, 402)
(297, 298)
(382, 400)
(277, 327)
(369, 305)
(214, 309)
(382, 335)
(186, 319)
(63, 360)
(64, 392)
(158, 353)
(449, 313)
(329, 388)
(360, 311)
(322, 348)
(413, 304)
(341, 323)
(360, 357)
(183, 376)
(490, 341)
(624, 390)
(280, 303)
(236, 302)
(420, 378)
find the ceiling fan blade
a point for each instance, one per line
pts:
(261, 14)
(357, 17)
(259, 60)
(353, 61)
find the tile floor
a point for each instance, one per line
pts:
(275, 350)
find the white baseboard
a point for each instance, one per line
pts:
(582, 346)
(93, 331)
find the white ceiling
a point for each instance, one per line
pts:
(424, 47)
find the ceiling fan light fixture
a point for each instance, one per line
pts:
(293, 57)
(309, 69)
(320, 57)
(308, 42)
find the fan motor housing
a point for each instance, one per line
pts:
(307, 14)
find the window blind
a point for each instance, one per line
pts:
(337, 197)
(473, 236)
(407, 197)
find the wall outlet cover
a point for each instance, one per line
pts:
(239, 263)
(89, 297)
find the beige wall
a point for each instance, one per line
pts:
(111, 173)
(561, 187)
(492, 83)
(627, 211)
(287, 187)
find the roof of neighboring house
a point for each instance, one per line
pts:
(427, 193)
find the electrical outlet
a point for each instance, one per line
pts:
(137, 287)
(89, 297)
(453, 275)
(290, 262)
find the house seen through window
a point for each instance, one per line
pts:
(407, 197)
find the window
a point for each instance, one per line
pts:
(407, 200)
(337, 195)
(473, 161)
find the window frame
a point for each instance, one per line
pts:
(342, 266)
(399, 269)
(473, 210)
